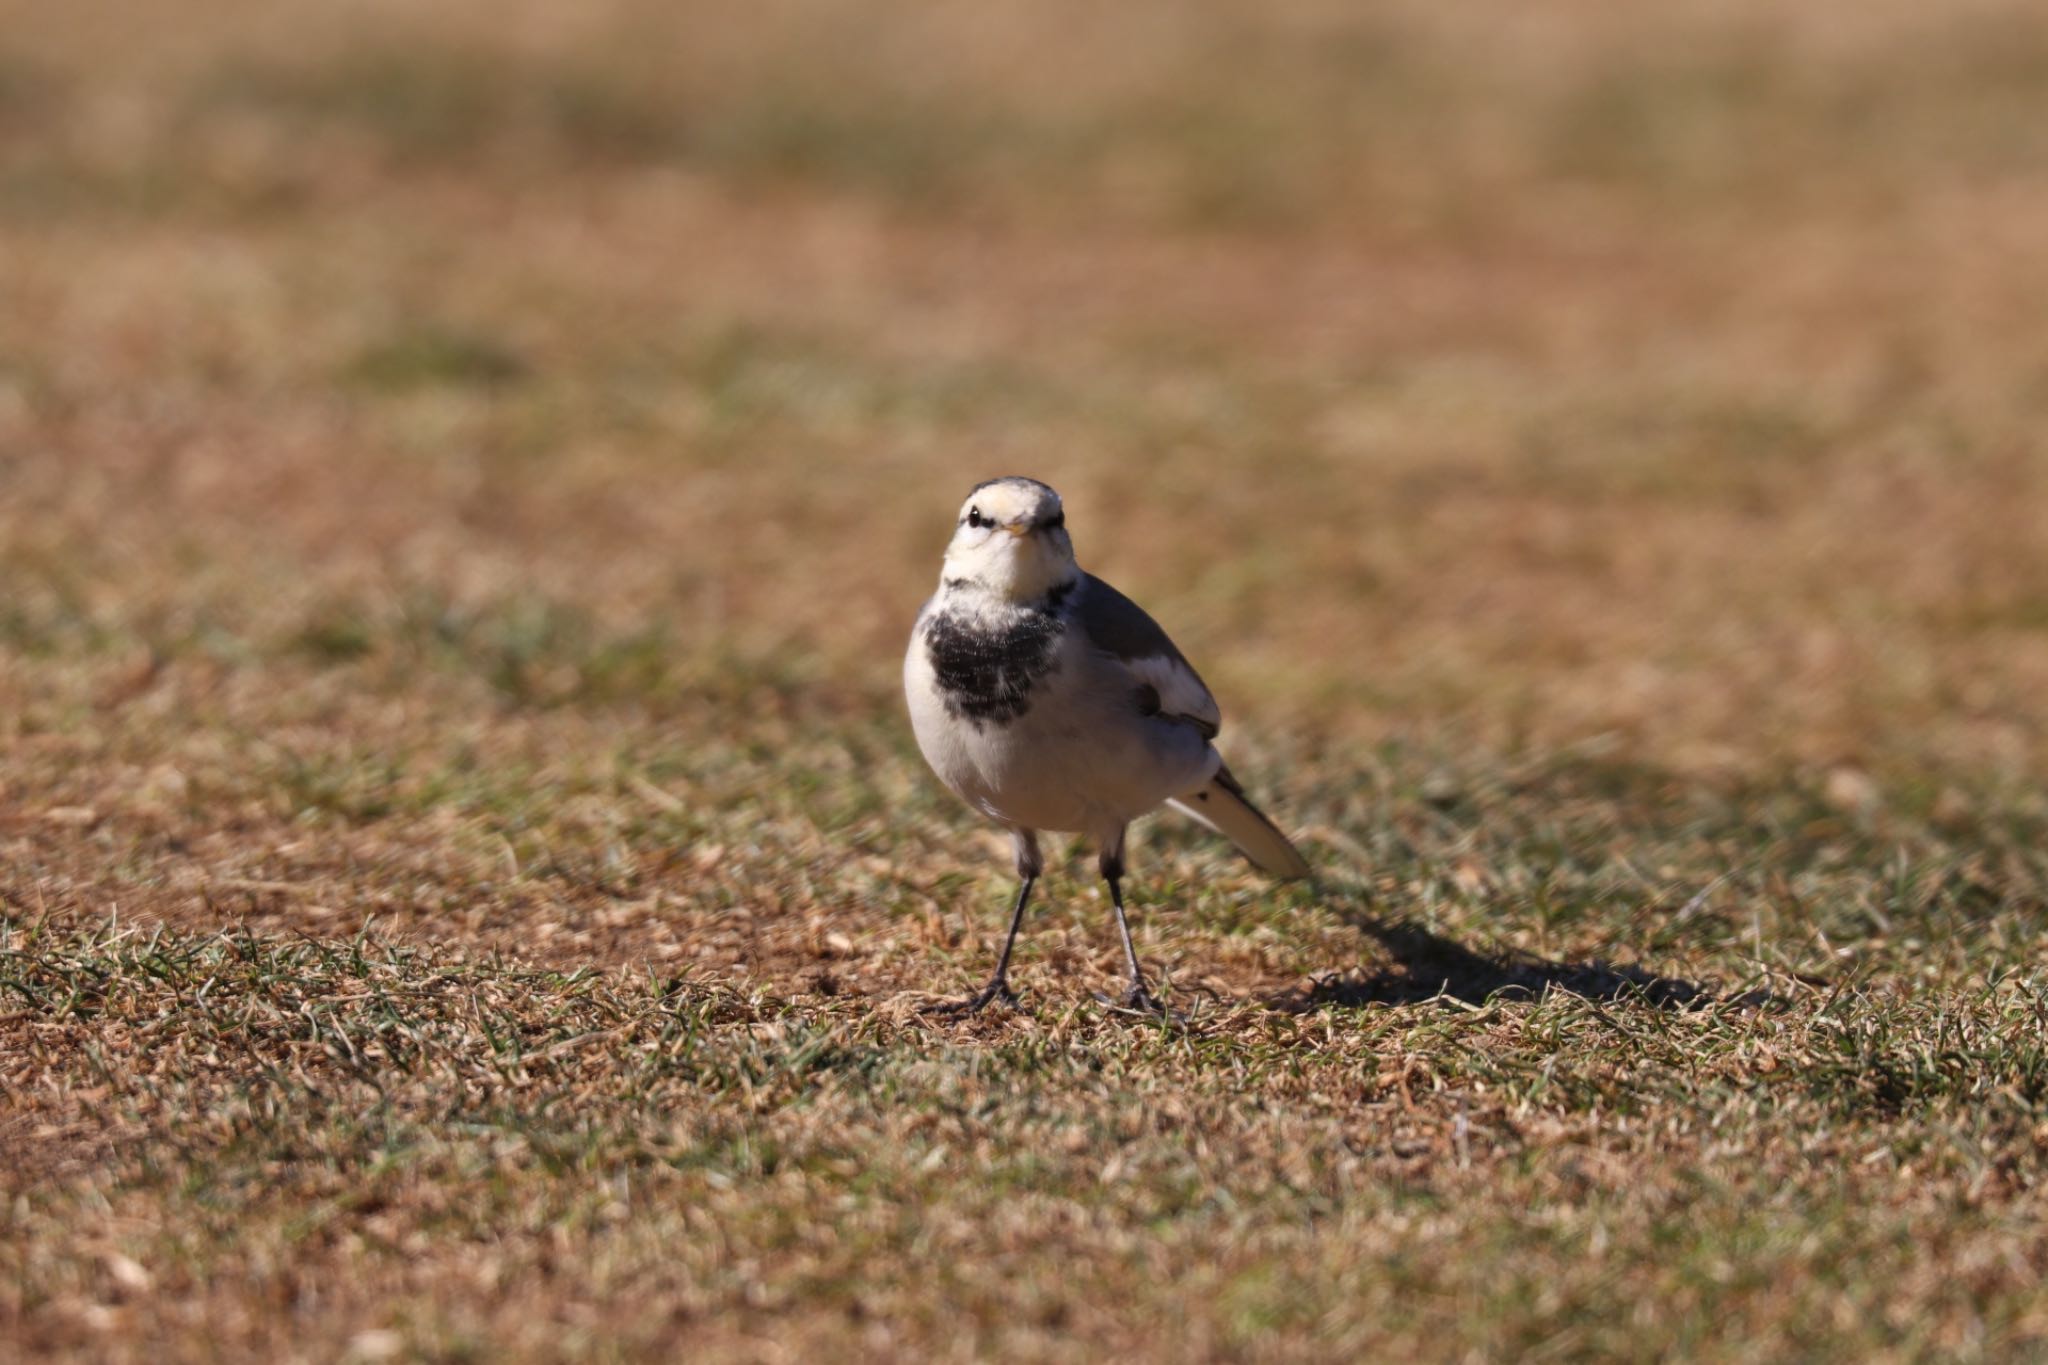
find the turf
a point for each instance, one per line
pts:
(467, 887)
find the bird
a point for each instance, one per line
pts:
(1050, 702)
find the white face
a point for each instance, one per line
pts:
(1011, 540)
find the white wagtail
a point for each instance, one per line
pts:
(1047, 700)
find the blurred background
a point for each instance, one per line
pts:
(383, 383)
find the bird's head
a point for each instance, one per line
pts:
(1011, 540)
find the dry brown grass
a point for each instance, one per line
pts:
(465, 479)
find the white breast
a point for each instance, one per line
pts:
(1079, 759)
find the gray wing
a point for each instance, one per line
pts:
(1162, 679)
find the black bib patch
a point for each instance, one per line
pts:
(987, 671)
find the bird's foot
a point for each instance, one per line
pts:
(1138, 1000)
(999, 989)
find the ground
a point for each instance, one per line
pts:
(466, 475)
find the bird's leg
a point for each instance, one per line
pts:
(1112, 865)
(998, 988)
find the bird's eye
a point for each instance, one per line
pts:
(974, 516)
(1059, 519)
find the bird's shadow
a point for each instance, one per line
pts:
(1428, 966)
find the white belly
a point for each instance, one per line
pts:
(1080, 759)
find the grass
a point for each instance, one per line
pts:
(466, 883)
(301, 1119)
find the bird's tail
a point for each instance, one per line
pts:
(1223, 807)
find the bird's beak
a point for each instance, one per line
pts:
(1019, 528)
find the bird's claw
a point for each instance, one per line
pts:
(1138, 1000)
(973, 1004)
